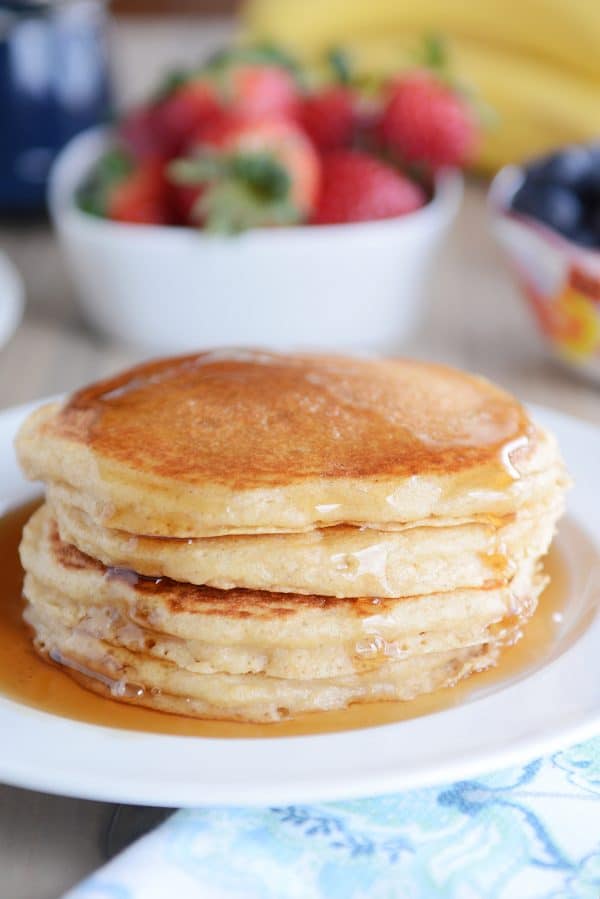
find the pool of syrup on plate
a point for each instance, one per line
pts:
(28, 679)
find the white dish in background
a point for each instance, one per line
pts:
(12, 295)
(352, 287)
(537, 711)
(559, 280)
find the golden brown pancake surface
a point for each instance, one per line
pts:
(251, 419)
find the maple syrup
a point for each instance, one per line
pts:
(28, 679)
(244, 442)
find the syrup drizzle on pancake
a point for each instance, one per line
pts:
(253, 419)
(25, 677)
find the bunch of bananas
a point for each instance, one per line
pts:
(535, 63)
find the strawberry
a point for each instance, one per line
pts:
(126, 191)
(255, 82)
(186, 109)
(184, 202)
(251, 83)
(357, 187)
(425, 121)
(329, 117)
(162, 128)
(240, 90)
(253, 92)
(141, 198)
(252, 174)
(140, 133)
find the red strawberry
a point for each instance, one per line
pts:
(140, 133)
(187, 108)
(163, 128)
(425, 121)
(141, 197)
(357, 187)
(253, 173)
(126, 191)
(183, 202)
(329, 117)
(255, 82)
(251, 82)
(255, 91)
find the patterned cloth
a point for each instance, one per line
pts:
(531, 832)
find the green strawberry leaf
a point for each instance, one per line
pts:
(170, 84)
(435, 52)
(198, 169)
(340, 64)
(111, 169)
(264, 53)
(243, 190)
(230, 207)
(263, 175)
(261, 54)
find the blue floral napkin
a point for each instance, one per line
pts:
(531, 832)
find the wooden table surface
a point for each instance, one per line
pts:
(474, 318)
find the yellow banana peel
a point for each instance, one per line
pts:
(536, 63)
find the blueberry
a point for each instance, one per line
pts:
(585, 237)
(587, 234)
(552, 204)
(590, 183)
(567, 168)
(594, 222)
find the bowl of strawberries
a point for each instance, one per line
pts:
(244, 203)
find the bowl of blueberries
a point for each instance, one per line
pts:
(546, 215)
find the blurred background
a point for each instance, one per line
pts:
(510, 282)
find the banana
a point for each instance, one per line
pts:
(566, 32)
(542, 82)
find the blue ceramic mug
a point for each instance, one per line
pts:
(53, 83)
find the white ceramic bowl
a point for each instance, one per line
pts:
(355, 287)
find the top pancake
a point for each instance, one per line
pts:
(245, 442)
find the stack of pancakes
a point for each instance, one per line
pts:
(250, 536)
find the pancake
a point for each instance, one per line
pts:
(336, 561)
(251, 536)
(250, 655)
(246, 443)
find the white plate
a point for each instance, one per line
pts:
(555, 704)
(11, 299)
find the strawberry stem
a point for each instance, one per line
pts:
(261, 54)
(338, 60)
(435, 52)
(171, 83)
